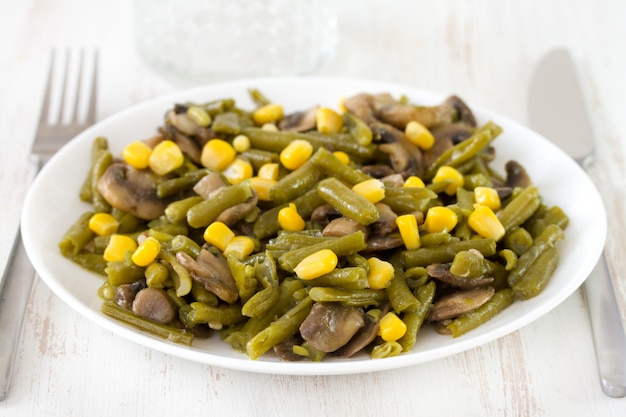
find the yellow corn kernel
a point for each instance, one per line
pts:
(380, 273)
(290, 219)
(137, 154)
(217, 154)
(414, 181)
(239, 170)
(450, 175)
(328, 120)
(103, 224)
(409, 232)
(146, 252)
(166, 157)
(241, 143)
(343, 157)
(262, 187)
(218, 235)
(419, 135)
(487, 196)
(373, 190)
(440, 219)
(199, 115)
(317, 264)
(240, 246)
(269, 171)
(267, 114)
(296, 153)
(484, 222)
(117, 248)
(391, 327)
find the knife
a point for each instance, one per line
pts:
(557, 111)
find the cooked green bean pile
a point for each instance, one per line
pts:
(319, 232)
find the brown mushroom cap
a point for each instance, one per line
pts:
(212, 273)
(131, 190)
(462, 302)
(329, 326)
(154, 304)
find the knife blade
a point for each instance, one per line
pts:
(557, 111)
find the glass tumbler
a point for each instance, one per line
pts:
(201, 41)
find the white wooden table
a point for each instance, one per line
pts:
(482, 50)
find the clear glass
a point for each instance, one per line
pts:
(199, 41)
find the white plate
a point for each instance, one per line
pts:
(52, 205)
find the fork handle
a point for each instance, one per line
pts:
(14, 295)
(608, 333)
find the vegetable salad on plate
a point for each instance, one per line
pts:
(315, 233)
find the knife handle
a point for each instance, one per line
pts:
(608, 333)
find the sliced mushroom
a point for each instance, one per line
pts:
(300, 121)
(398, 155)
(154, 304)
(462, 302)
(284, 349)
(378, 171)
(131, 190)
(381, 243)
(386, 222)
(393, 180)
(343, 226)
(329, 326)
(209, 184)
(516, 175)
(212, 273)
(399, 115)
(234, 214)
(365, 335)
(463, 113)
(125, 293)
(442, 273)
(324, 214)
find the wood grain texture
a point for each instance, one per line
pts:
(482, 50)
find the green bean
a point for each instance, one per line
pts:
(548, 238)
(445, 253)
(180, 184)
(258, 158)
(203, 295)
(294, 240)
(103, 161)
(537, 275)
(386, 350)
(416, 276)
(520, 208)
(156, 274)
(225, 315)
(349, 278)
(239, 338)
(123, 272)
(164, 231)
(205, 212)
(282, 329)
(480, 179)
(179, 274)
(518, 240)
(344, 245)
(176, 211)
(468, 321)
(553, 215)
(465, 150)
(227, 123)
(244, 276)
(408, 199)
(77, 236)
(129, 223)
(510, 258)
(352, 298)
(398, 291)
(436, 239)
(347, 202)
(258, 97)
(179, 302)
(261, 302)
(164, 331)
(358, 128)
(277, 141)
(93, 262)
(295, 183)
(267, 222)
(414, 319)
(333, 167)
(99, 145)
(469, 264)
(183, 243)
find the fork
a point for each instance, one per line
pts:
(19, 274)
